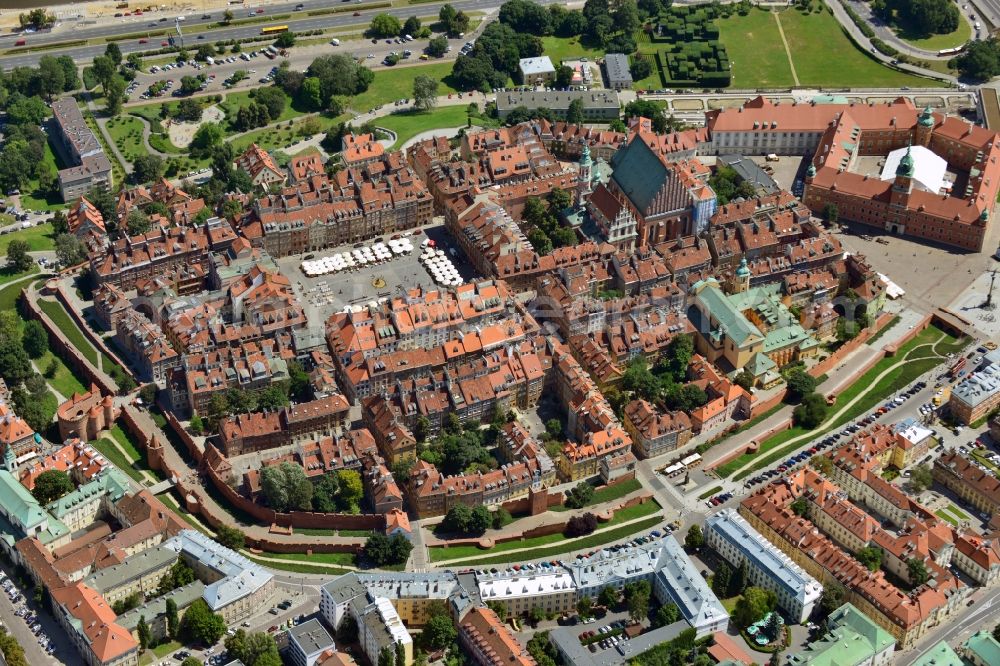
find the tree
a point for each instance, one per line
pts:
(253, 649)
(50, 485)
(694, 539)
(581, 525)
(18, 259)
(60, 224)
(385, 25)
(667, 614)
(579, 496)
(753, 605)
(457, 519)
(425, 91)
(201, 625)
(114, 95)
(481, 520)
(921, 478)
(439, 632)
(384, 550)
(811, 412)
(230, 537)
(744, 379)
(437, 47)
(871, 557)
(144, 634)
(501, 518)
(286, 487)
(564, 77)
(147, 168)
(574, 114)
(208, 137)
(640, 69)
(34, 339)
(536, 615)
(172, 620)
(638, 604)
(190, 84)
(800, 384)
(37, 19)
(800, 506)
(411, 27)
(584, 607)
(608, 596)
(70, 250)
(917, 570)
(137, 222)
(831, 213)
(285, 40)
(51, 77)
(114, 53)
(273, 99)
(722, 580)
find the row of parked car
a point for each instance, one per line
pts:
(26, 614)
(719, 499)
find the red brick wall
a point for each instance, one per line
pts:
(94, 339)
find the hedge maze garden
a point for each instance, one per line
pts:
(688, 50)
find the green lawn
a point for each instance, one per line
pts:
(64, 381)
(163, 649)
(595, 540)
(111, 452)
(397, 83)
(755, 50)
(127, 444)
(609, 493)
(341, 559)
(61, 318)
(569, 48)
(7, 276)
(38, 238)
(126, 132)
(439, 553)
(958, 513)
(408, 124)
(945, 516)
(234, 100)
(958, 37)
(168, 500)
(32, 196)
(813, 38)
(901, 375)
(708, 493)
(298, 568)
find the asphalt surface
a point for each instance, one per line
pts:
(87, 53)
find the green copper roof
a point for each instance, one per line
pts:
(743, 270)
(852, 639)
(726, 313)
(985, 215)
(939, 655)
(639, 173)
(926, 117)
(19, 504)
(811, 170)
(984, 646)
(112, 482)
(760, 364)
(906, 168)
(585, 156)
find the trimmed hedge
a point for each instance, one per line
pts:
(690, 53)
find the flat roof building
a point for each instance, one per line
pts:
(597, 104)
(617, 69)
(307, 642)
(80, 148)
(536, 71)
(678, 580)
(976, 395)
(737, 542)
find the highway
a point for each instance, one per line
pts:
(191, 41)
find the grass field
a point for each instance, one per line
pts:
(959, 36)
(63, 381)
(295, 567)
(234, 100)
(755, 50)
(945, 516)
(569, 48)
(901, 375)
(61, 318)
(439, 553)
(958, 513)
(339, 559)
(111, 452)
(397, 83)
(596, 539)
(812, 38)
(38, 239)
(409, 124)
(32, 196)
(609, 493)
(126, 132)
(7, 276)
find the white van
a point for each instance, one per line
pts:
(335, 42)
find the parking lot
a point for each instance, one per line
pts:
(324, 295)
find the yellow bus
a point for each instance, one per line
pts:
(274, 30)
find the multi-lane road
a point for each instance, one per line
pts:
(192, 27)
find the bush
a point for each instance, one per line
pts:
(581, 525)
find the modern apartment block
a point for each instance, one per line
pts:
(80, 148)
(737, 542)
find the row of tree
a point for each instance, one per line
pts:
(285, 487)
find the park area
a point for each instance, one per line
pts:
(926, 350)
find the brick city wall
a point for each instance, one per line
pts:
(522, 505)
(66, 351)
(94, 339)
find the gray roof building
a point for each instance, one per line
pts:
(597, 104)
(133, 569)
(750, 171)
(80, 148)
(307, 642)
(567, 641)
(616, 67)
(678, 580)
(978, 387)
(537, 69)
